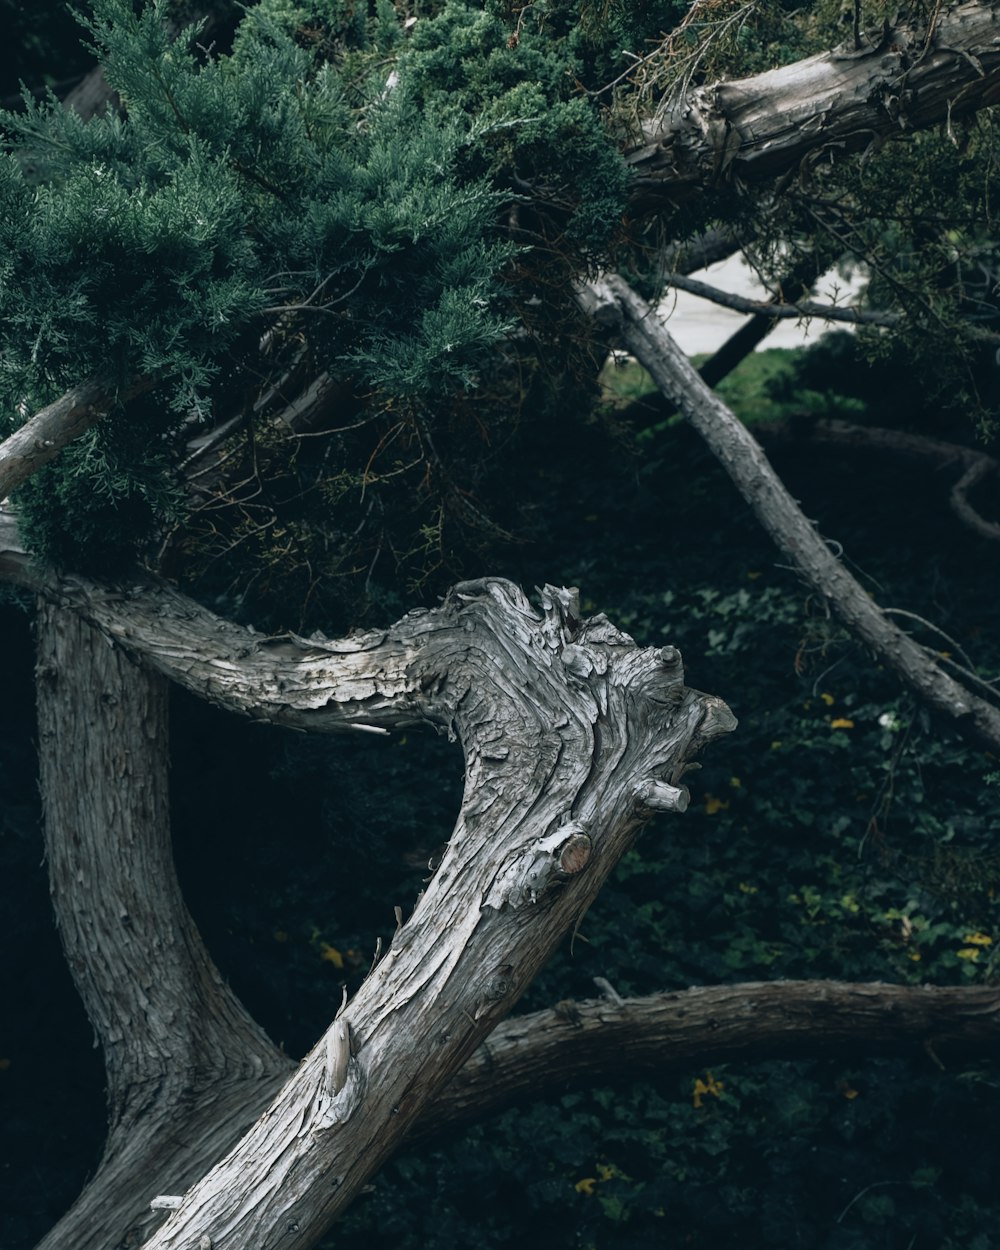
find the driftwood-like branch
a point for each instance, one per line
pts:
(647, 338)
(904, 78)
(976, 465)
(44, 435)
(573, 736)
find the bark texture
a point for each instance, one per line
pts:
(578, 1043)
(572, 737)
(613, 301)
(183, 1060)
(903, 78)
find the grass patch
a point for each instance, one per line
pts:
(748, 390)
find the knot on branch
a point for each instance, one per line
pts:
(546, 862)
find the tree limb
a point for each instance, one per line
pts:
(906, 77)
(44, 435)
(614, 302)
(184, 1061)
(579, 1043)
(573, 737)
(773, 309)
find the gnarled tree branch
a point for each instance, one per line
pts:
(573, 737)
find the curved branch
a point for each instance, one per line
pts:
(976, 464)
(647, 338)
(572, 737)
(959, 498)
(184, 1061)
(908, 77)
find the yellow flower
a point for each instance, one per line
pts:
(331, 955)
(746, 889)
(978, 939)
(735, 782)
(968, 952)
(915, 956)
(828, 699)
(586, 1186)
(713, 805)
(841, 722)
(707, 1086)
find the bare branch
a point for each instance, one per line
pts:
(977, 465)
(44, 435)
(959, 498)
(773, 309)
(578, 1043)
(613, 301)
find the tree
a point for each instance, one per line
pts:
(297, 305)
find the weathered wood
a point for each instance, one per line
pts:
(903, 78)
(579, 1043)
(184, 1061)
(569, 732)
(572, 735)
(613, 301)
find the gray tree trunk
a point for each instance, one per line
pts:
(184, 1062)
(573, 737)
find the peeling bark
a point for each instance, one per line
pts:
(901, 79)
(614, 302)
(572, 737)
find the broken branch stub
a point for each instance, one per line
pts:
(567, 756)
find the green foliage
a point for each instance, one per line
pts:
(238, 187)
